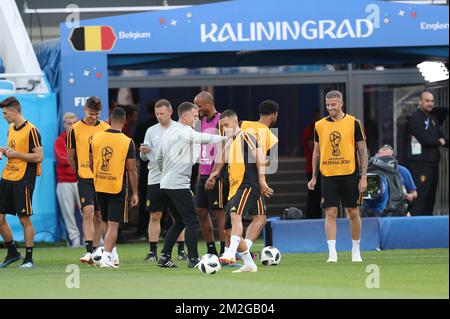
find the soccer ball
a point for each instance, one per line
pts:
(97, 255)
(209, 264)
(270, 256)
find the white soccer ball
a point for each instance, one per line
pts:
(97, 255)
(209, 264)
(270, 256)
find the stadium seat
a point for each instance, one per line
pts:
(7, 87)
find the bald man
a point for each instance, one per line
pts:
(425, 140)
(213, 200)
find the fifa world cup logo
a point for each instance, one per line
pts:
(335, 139)
(107, 153)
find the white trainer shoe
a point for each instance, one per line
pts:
(332, 258)
(106, 262)
(87, 259)
(356, 257)
(246, 268)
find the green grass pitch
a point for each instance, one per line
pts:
(402, 274)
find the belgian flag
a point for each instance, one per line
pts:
(93, 38)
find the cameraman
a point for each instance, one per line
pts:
(379, 205)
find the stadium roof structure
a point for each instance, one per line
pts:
(249, 32)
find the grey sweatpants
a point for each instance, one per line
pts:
(69, 202)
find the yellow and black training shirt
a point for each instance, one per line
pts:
(337, 141)
(22, 139)
(79, 138)
(110, 151)
(242, 168)
(264, 136)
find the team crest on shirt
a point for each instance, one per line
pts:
(83, 200)
(148, 203)
(107, 153)
(423, 178)
(233, 209)
(216, 203)
(12, 144)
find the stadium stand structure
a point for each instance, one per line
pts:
(39, 106)
(19, 60)
(289, 185)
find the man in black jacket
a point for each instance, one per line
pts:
(425, 139)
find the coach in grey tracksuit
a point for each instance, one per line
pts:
(176, 155)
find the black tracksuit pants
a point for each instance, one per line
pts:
(426, 178)
(182, 208)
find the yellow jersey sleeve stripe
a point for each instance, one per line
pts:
(35, 137)
(362, 129)
(249, 142)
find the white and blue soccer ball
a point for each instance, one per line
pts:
(270, 256)
(209, 264)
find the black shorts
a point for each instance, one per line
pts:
(16, 198)
(114, 207)
(246, 203)
(155, 199)
(86, 192)
(215, 198)
(340, 188)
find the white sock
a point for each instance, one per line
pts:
(355, 246)
(249, 243)
(234, 243)
(247, 257)
(226, 250)
(332, 246)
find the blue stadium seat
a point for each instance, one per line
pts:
(7, 87)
